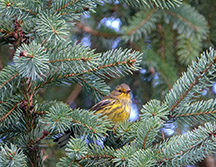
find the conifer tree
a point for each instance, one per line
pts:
(167, 35)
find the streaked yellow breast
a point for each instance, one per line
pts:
(116, 111)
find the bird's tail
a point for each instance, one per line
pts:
(63, 139)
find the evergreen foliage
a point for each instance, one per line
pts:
(43, 37)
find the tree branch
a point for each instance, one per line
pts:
(14, 76)
(194, 114)
(131, 32)
(192, 85)
(66, 5)
(93, 32)
(182, 19)
(9, 112)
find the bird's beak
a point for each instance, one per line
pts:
(128, 91)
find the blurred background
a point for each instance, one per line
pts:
(167, 51)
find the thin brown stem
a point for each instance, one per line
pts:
(195, 114)
(90, 128)
(49, 3)
(73, 95)
(93, 32)
(71, 59)
(182, 19)
(162, 42)
(66, 5)
(97, 90)
(12, 77)
(131, 32)
(129, 62)
(145, 138)
(9, 112)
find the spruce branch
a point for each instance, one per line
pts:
(64, 4)
(70, 59)
(188, 21)
(188, 48)
(162, 67)
(51, 27)
(49, 3)
(9, 112)
(93, 32)
(143, 158)
(122, 155)
(9, 81)
(189, 148)
(93, 125)
(156, 3)
(198, 76)
(162, 41)
(12, 156)
(60, 117)
(194, 114)
(199, 111)
(153, 116)
(126, 131)
(141, 24)
(78, 152)
(119, 62)
(76, 8)
(12, 131)
(94, 84)
(31, 61)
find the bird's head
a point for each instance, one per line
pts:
(121, 91)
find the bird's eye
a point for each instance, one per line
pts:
(120, 90)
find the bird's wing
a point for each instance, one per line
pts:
(101, 105)
(112, 108)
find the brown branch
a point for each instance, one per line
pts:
(162, 134)
(49, 3)
(66, 5)
(90, 128)
(45, 133)
(131, 32)
(145, 138)
(193, 114)
(191, 86)
(8, 33)
(29, 11)
(8, 4)
(73, 95)
(97, 156)
(9, 112)
(129, 62)
(92, 156)
(165, 79)
(182, 19)
(98, 68)
(93, 87)
(40, 112)
(71, 59)
(93, 32)
(162, 44)
(14, 76)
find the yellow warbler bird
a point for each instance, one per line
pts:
(116, 106)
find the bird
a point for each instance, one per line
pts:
(116, 106)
